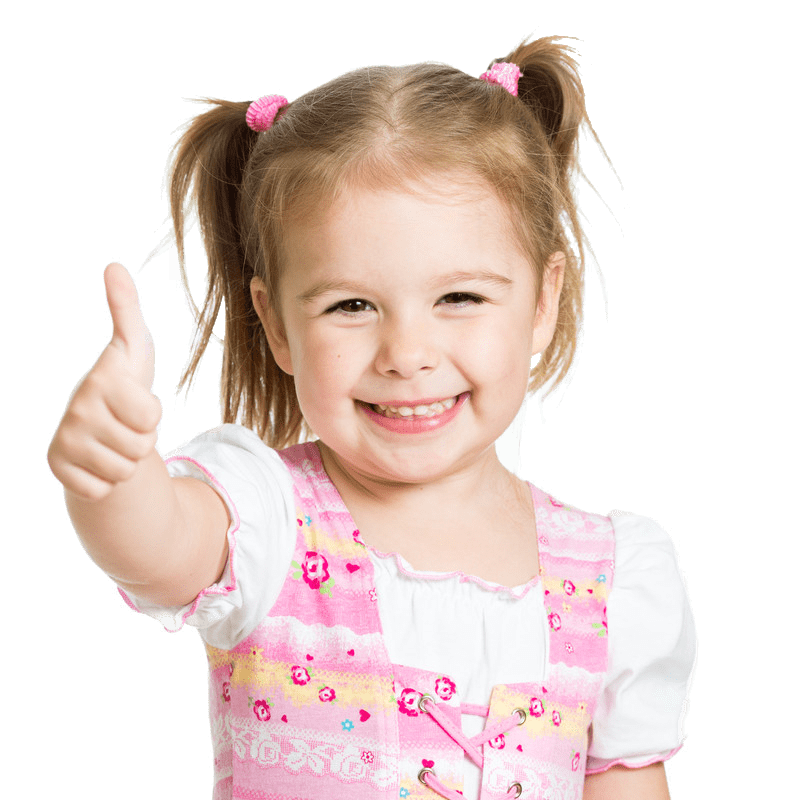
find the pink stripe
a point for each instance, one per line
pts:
(214, 590)
(623, 763)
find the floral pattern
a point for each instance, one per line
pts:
(408, 703)
(300, 675)
(261, 710)
(499, 742)
(536, 708)
(315, 569)
(327, 695)
(444, 688)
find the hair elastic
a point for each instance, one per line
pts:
(505, 74)
(261, 113)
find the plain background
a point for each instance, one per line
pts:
(681, 406)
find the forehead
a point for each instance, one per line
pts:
(417, 227)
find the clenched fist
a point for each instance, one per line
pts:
(110, 423)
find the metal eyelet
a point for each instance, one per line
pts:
(523, 716)
(421, 702)
(423, 772)
(519, 788)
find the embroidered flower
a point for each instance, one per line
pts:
(261, 710)
(367, 756)
(315, 569)
(576, 762)
(555, 621)
(300, 675)
(556, 718)
(327, 695)
(408, 702)
(348, 725)
(226, 691)
(444, 687)
(498, 743)
(569, 588)
(537, 709)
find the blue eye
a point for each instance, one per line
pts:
(351, 307)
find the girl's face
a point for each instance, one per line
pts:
(407, 319)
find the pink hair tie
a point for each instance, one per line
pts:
(504, 74)
(261, 113)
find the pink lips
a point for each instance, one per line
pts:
(415, 424)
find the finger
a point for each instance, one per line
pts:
(130, 333)
(84, 484)
(135, 406)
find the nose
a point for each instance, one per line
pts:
(407, 347)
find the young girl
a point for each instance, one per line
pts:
(387, 611)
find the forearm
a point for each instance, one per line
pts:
(135, 534)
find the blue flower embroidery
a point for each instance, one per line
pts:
(601, 578)
(404, 792)
(347, 725)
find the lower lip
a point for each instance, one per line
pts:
(414, 424)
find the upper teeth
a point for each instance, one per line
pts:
(419, 411)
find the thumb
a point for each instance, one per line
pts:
(130, 334)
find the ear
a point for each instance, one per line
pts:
(544, 324)
(272, 324)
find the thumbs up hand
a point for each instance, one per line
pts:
(110, 423)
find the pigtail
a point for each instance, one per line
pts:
(208, 175)
(551, 88)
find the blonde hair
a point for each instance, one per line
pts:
(375, 127)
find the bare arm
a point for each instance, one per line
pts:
(621, 783)
(162, 538)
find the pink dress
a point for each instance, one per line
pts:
(309, 704)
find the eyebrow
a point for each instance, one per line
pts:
(347, 287)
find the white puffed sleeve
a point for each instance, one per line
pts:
(256, 487)
(638, 719)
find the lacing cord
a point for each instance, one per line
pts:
(471, 746)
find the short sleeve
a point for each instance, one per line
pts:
(639, 716)
(256, 487)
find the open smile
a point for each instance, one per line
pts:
(417, 418)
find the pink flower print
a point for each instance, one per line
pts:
(555, 502)
(445, 688)
(261, 710)
(357, 537)
(537, 709)
(555, 621)
(408, 702)
(226, 691)
(568, 647)
(498, 743)
(315, 569)
(576, 762)
(327, 695)
(373, 595)
(300, 675)
(569, 588)
(556, 718)
(367, 756)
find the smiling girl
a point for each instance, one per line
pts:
(387, 610)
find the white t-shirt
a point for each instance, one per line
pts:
(480, 634)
